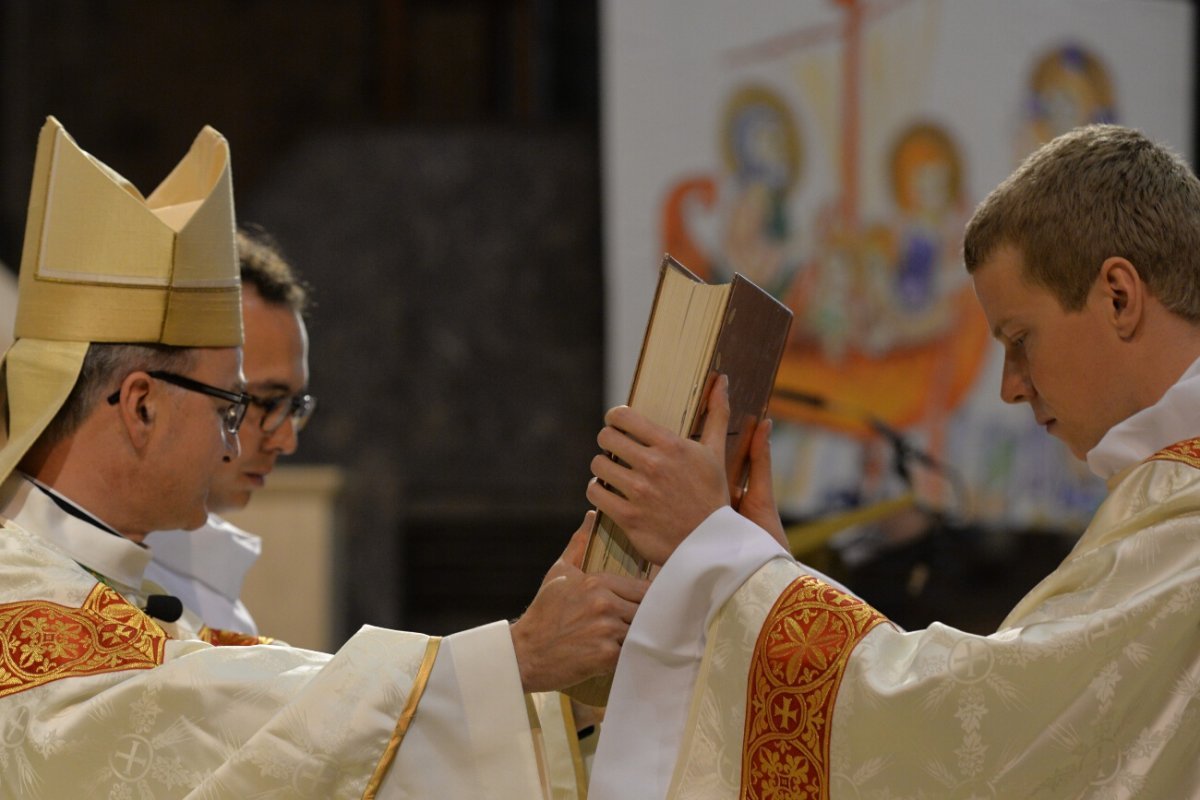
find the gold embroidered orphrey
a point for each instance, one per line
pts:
(1185, 452)
(797, 667)
(219, 637)
(44, 641)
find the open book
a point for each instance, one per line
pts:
(696, 332)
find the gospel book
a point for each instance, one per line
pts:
(696, 332)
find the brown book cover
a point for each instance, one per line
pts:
(696, 331)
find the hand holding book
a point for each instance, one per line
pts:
(757, 501)
(574, 627)
(659, 486)
(696, 332)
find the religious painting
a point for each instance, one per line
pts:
(832, 151)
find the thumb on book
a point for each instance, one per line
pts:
(573, 555)
(716, 418)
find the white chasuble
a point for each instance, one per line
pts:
(1088, 690)
(99, 700)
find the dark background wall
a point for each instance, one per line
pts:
(431, 166)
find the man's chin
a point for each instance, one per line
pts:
(1078, 449)
(229, 501)
(196, 521)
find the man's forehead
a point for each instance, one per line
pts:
(224, 362)
(272, 387)
(998, 282)
(276, 350)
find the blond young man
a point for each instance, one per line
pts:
(757, 677)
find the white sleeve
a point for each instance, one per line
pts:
(652, 688)
(470, 736)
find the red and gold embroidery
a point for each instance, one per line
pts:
(223, 638)
(795, 672)
(1186, 452)
(42, 641)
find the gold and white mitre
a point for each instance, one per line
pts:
(101, 263)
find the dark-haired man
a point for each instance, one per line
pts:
(205, 568)
(124, 393)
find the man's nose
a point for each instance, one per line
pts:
(284, 439)
(1015, 386)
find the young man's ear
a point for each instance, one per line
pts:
(1124, 293)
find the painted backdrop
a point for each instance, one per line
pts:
(832, 151)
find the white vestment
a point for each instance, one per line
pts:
(1089, 689)
(99, 700)
(205, 569)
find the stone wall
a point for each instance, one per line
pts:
(456, 352)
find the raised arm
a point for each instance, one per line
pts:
(758, 502)
(659, 486)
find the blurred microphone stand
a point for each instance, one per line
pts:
(810, 535)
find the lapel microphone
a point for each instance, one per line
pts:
(164, 606)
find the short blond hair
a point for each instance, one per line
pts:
(1090, 194)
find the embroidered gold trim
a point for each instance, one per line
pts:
(114, 284)
(410, 708)
(223, 638)
(797, 667)
(42, 641)
(539, 744)
(1185, 452)
(573, 742)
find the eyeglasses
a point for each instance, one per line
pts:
(231, 417)
(277, 410)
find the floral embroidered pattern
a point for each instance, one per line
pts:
(1186, 452)
(42, 641)
(223, 638)
(795, 673)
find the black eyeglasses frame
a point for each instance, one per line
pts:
(234, 415)
(300, 408)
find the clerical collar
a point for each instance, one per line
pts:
(71, 508)
(82, 538)
(1172, 419)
